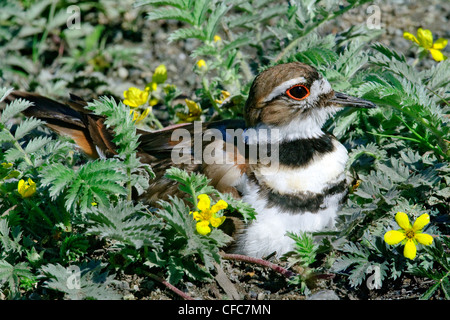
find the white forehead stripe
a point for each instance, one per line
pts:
(318, 87)
(280, 89)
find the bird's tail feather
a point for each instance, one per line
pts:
(72, 120)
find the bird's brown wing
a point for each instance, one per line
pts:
(204, 148)
(218, 158)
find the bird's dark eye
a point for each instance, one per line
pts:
(298, 92)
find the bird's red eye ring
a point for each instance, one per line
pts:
(298, 92)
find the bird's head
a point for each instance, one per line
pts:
(296, 99)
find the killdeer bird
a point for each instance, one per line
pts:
(300, 189)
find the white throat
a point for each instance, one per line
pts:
(299, 128)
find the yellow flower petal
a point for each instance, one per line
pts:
(421, 222)
(153, 102)
(134, 114)
(197, 216)
(20, 185)
(425, 38)
(143, 115)
(215, 222)
(160, 74)
(410, 250)
(7, 165)
(204, 202)
(424, 238)
(193, 106)
(135, 97)
(26, 189)
(437, 55)
(152, 86)
(217, 38)
(440, 44)
(225, 94)
(201, 64)
(220, 205)
(403, 220)
(393, 237)
(410, 37)
(203, 227)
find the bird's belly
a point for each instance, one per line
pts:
(267, 234)
(297, 199)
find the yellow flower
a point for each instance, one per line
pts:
(223, 96)
(425, 40)
(409, 235)
(139, 117)
(207, 215)
(195, 111)
(26, 188)
(152, 86)
(135, 97)
(160, 74)
(201, 64)
(93, 204)
(217, 38)
(7, 165)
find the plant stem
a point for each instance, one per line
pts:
(170, 287)
(210, 97)
(40, 49)
(157, 122)
(261, 262)
(129, 186)
(19, 147)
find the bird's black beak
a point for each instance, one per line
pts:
(349, 101)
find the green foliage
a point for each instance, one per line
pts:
(436, 266)
(302, 258)
(83, 282)
(195, 184)
(185, 251)
(93, 182)
(305, 249)
(127, 223)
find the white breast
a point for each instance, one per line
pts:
(268, 233)
(316, 176)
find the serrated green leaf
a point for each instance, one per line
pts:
(13, 109)
(11, 274)
(126, 223)
(85, 281)
(26, 126)
(36, 144)
(13, 155)
(171, 13)
(199, 11)
(4, 92)
(58, 177)
(174, 3)
(214, 20)
(187, 33)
